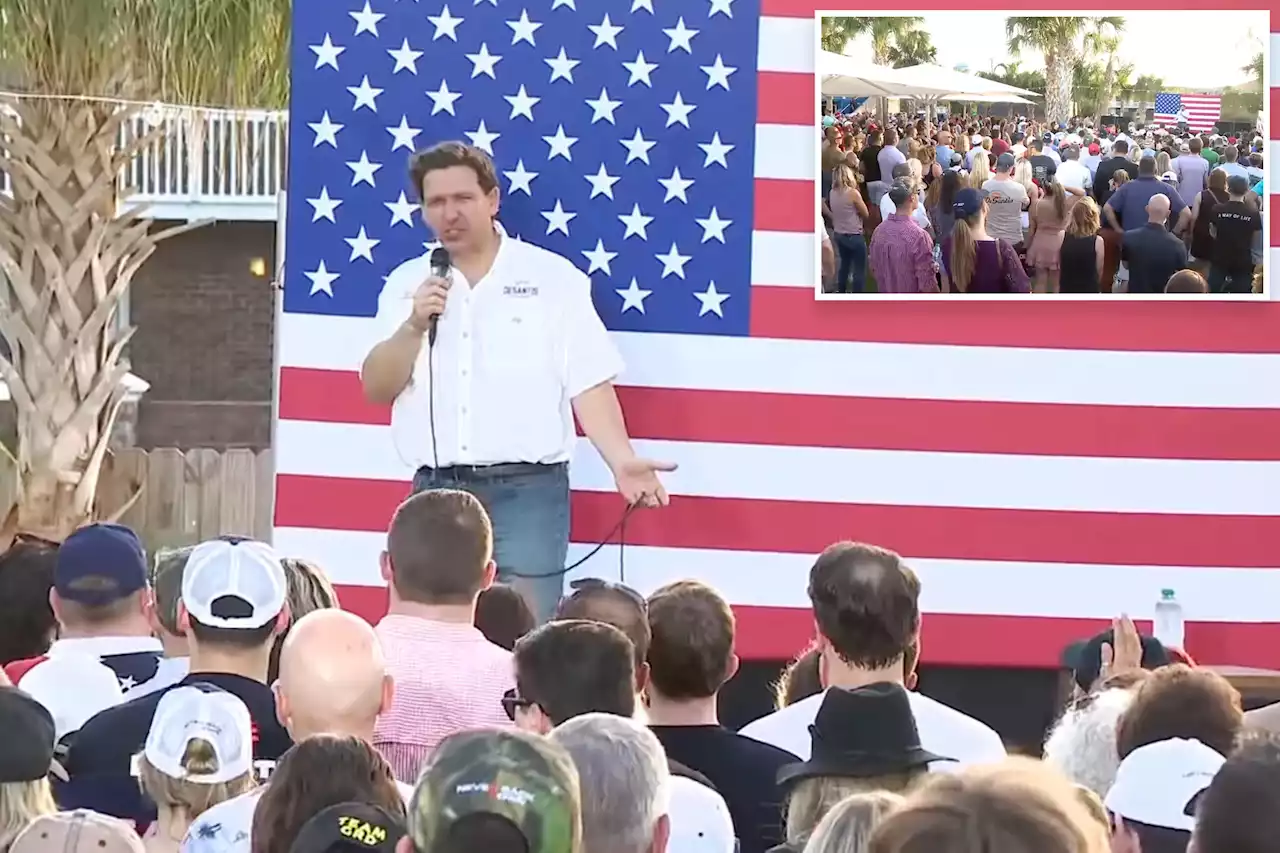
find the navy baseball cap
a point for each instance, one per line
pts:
(99, 564)
(1084, 657)
(968, 202)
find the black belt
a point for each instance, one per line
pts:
(502, 469)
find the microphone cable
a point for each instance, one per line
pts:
(620, 529)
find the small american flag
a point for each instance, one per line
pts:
(1199, 112)
(1043, 464)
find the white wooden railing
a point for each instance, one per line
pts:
(219, 164)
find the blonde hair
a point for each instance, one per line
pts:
(1053, 190)
(847, 827)
(1163, 163)
(964, 254)
(1017, 806)
(917, 173)
(846, 177)
(1120, 177)
(811, 799)
(1084, 220)
(1022, 174)
(192, 799)
(981, 169)
(20, 804)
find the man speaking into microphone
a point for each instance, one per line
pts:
(488, 353)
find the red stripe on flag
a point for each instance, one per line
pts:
(877, 423)
(1123, 324)
(780, 633)
(783, 98)
(785, 206)
(797, 527)
(1274, 101)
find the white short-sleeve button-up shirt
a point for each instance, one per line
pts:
(511, 352)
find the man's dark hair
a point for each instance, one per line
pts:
(575, 667)
(1240, 810)
(866, 602)
(166, 585)
(503, 615)
(1180, 702)
(612, 606)
(692, 642)
(27, 624)
(439, 544)
(1195, 145)
(238, 639)
(1036, 144)
(1146, 166)
(1071, 152)
(446, 155)
(1120, 146)
(1159, 839)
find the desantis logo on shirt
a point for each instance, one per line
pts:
(521, 289)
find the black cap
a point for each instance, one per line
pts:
(26, 749)
(347, 828)
(1084, 657)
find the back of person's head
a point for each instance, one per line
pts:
(1231, 154)
(1218, 181)
(350, 828)
(1120, 147)
(1195, 145)
(1237, 185)
(1071, 152)
(503, 615)
(1154, 793)
(968, 208)
(1017, 806)
(27, 624)
(333, 676)
(866, 603)
(800, 679)
(1177, 701)
(1082, 743)
(1146, 167)
(539, 806)
(847, 827)
(1240, 810)
(574, 667)
(166, 588)
(26, 757)
(624, 767)
(309, 590)
(613, 604)
(198, 752)
(439, 548)
(319, 772)
(810, 800)
(691, 653)
(1085, 219)
(234, 596)
(1186, 281)
(1055, 192)
(79, 831)
(100, 581)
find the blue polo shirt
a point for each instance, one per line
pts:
(1130, 202)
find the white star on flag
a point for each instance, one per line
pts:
(523, 29)
(678, 111)
(483, 62)
(361, 245)
(718, 73)
(562, 66)
(633, 297)
(556, 4)
(406, 58)
(637, 5)
(606, 33)
(640, 70)
(324, 206)
(327, 53)
(599, 259)
(681, 37)
(676, 185)
(522, 103)
(602, 182)
(366, 20)
(637, 147)
(722, 7)
(558, 219)
(636, 223)
(715, 151)
(402, 135)
(713, 226)
(402, 210)
(482, 138)
(365, 95)
(446, 25)
(711, 300)
(521, 179)
(560, 144)
(442, 99)
(602, 108)
(363, 170)
(673, 262)
(326, 131)
(322, 280)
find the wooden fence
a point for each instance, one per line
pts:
(188, 496)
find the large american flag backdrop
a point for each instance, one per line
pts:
(1044, 465)
(1200, 112)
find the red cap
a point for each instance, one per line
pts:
(1094, 148)
(999, 146)
(1231, 139)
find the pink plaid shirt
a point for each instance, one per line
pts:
(448, 678)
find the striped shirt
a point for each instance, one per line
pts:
(448, 678)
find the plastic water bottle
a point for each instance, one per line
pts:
(1169, 625)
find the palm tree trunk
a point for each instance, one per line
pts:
(1057, 79)
(1108, 90)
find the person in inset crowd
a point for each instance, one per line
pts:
(453, 809)
(77, 832)
(800, 679)
(233, 606)
(866, 605)
(848, 825)
(102, 603)
(166, 588)
(1177, 701)
(1043, 166)
(632, 803)
(320, 772)
(309, 590)
(448, 677)
(26, 761)
(862, 740)
(503, 615)
(1118, 161)
(920, 216)
(1074, 175)
(1130, 205)
(974, 261)
(1154, 790)
(1082, 743)
(1192, 170)
(1083, 254)
(889, 156)
(1186, 281)
(1099, 660)
(1016, 805)
(27, 626)
(1231, 163)
(199, 753)
(1240, 810)
(902, 251)
(73, 688)
(1007, 199)
(1233, 224)
(350, 828)
(1151, 253)
(619, 605)
(690, 658)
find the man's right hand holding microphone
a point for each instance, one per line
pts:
(428, 303)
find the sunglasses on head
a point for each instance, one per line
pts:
(588, 585)
(513, 701)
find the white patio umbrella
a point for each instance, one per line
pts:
(958, 85)
(843, 76)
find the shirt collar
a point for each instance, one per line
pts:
(417, 626)
(104, 646)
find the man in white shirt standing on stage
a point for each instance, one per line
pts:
(519, 349)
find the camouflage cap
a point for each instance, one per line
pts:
(529, 780)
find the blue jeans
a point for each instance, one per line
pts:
(851, 276)
(1228, 281)
(529, 507)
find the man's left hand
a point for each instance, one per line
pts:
(638, 481)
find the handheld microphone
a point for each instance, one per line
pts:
(441, 264)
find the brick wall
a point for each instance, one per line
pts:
(204, 340)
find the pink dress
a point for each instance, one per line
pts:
(1046, 245)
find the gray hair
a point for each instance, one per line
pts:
(1082, 745)
(624, 767)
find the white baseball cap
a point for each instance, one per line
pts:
(234, 568)
(1156, 783)
(73, 688)
(700, 821)
(203, 712)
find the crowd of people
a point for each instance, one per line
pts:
(997, 205)
(217, 700)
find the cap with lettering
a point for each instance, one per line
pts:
(77, 832)
(1156, 783)
(201, 712)
(530, 781)
(349, 828)
(99, 564)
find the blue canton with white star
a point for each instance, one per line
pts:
(623, 132)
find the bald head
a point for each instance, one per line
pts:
(1158, 208)
(333, 676)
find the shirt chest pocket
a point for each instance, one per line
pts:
(520, 337)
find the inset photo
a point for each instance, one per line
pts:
(1068, 156)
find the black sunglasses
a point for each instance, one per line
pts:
(589, 585)
(512, 701)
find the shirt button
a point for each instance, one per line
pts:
(464, 371)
